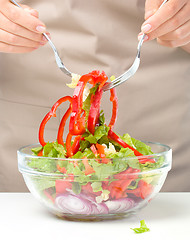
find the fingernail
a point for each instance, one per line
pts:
(44, 39)
(31, 11)
(145, 38)
(41, 29)
(145, 28)
(43, 43)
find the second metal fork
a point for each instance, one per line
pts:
(132, 70)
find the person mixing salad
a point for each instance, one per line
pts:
(154, 105)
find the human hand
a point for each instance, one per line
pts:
(170, 25)
(20, 29)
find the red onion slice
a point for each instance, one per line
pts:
(120, 205)
(79, 204)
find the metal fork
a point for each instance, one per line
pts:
(132, 70)
(57, 58)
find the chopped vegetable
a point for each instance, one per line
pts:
(143, 228)
(99, 171)
(120, 205)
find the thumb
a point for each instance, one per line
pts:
(151, 6)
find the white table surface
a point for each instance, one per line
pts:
(23, 217)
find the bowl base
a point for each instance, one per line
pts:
(94, 218)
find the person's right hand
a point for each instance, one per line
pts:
(20, 29)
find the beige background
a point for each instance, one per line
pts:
(96, 34)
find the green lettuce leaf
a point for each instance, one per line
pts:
(143, 228)
(121, 158)
(36, 150)
(86, 103)
(147, 166)
(142, 147)
(126, 138)
(102, 171)
(54, 150)
(96, 186)
(43, 164)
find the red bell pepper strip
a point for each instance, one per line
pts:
(101, 151)
(76, 144)
(62, 126)
(93, 78)
(52, 113)
(143, 190)
(114, 100)
(94, 150)
(88, 168)
(61, 169)
(77, 102)
(87, 189)
(40, 153)
(68, 145)
(104, 79)
(117, 188)
(97, 77)
(117, 139)
(61, 185)
(49, 195)
(94, 111)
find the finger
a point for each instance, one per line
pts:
(30, 10)
(12, 39)
(172, 24)
(6, 48)
(23, 18)
(151, 7)
(168, 10)
(175, 43)
(180, 33)
(7, 25)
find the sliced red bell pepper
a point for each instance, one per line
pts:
(143, 190)
(97, 77)
(48, 194)
(61, 186)
(114, 100)
(87, 189)
(117, 139)
(94, 112)
(52, 113)
(88, 168)
(72, 148)
(94, 150)
(101, 151)
(76, 144)
(93, 78)
(62, 126)
(61, 169)
(40, 153)
(117, 188)
(68, 145)
(77, 102)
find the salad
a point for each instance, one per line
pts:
(98, 170)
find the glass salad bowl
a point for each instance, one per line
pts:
(101, 194)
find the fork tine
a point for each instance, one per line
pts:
(125, 76)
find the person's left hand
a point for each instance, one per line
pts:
(170, 25)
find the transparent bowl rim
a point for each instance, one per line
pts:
(165, 167)
(69, 159)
